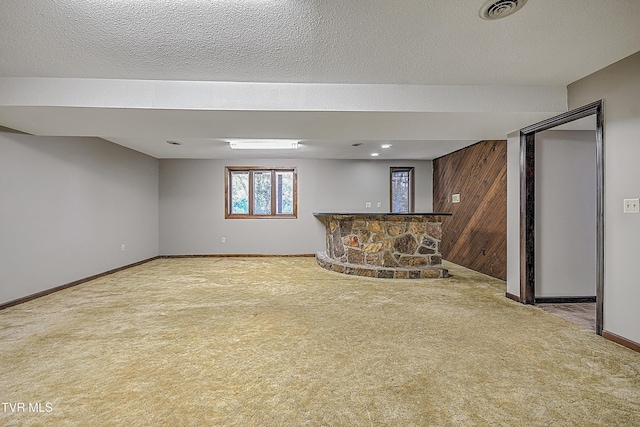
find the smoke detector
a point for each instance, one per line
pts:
(498, 9)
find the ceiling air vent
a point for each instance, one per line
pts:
(498, 9)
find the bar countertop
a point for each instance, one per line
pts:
(383, 244)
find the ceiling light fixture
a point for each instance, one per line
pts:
(375, 154)
(498, 9)
(386, 145)
(264, 144)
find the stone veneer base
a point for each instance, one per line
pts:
(431, 272)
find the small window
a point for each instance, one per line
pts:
(402, 190)
(254, 192)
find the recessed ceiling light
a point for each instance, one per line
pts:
(174, 142)
(264, 144)
(375, 154)
(385, 145)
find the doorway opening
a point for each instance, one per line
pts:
(528, 230)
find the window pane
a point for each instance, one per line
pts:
(284, 193)
(239, 192)
(262, 193)
(400, 191)
(257, 192)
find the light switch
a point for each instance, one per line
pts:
(631, 206)
(367, 205)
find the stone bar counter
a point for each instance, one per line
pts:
(383, 245)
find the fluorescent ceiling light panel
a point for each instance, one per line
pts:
(264, 144)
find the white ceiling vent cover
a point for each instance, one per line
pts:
(498, 9)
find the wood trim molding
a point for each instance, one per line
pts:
(622, 341)
(569, 116)
(71, 284)
(516, 298)
(564, 300)
(527, 202)
(238, 256)
(527, 217)
(600, 261)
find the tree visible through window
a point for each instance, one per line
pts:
(253, 192)
(402, 190)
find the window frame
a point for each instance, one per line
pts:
(411, 171)
(229, 170)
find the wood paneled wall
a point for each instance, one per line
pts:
(476, 235)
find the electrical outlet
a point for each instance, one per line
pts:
(123, 247)
(631, 206)
(455, 198)
(367, 205)
(379, 204)
(223, 240)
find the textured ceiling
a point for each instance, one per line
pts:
(366, 41)
(409, 42)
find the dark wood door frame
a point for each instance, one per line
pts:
(527, 202)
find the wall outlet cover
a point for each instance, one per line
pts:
(631, 206)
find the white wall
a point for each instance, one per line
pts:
(619, 87)
(66, 207)
(565, 214)
(192, 204)
(513, 214)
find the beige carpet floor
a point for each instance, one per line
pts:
(282, 342)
